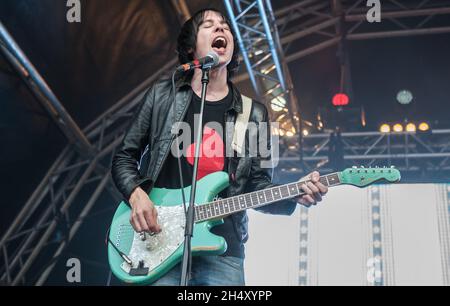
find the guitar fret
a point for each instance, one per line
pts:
(247, 201)
(200, 212)
(241, 202)
(276, 192)
(203, 210)
(208, 211)
(268, 195)
(255, 198)
(217, 208)
(292, 190)
(236, 204)
(220, 204)
(211, 210)
(298, 188)
(322, 180)
(333, 179)
(284, 191)
(261, 197)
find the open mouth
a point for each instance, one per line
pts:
(219, 44)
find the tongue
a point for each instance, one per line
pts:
(219, 50)
(218, 44)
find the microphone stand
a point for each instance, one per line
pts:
(190, 216)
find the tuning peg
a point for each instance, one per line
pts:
(362, 166)
(376, 166)
(392, 167)
(354, 167)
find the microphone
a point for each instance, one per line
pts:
(211, 60)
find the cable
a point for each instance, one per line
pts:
(175, 133)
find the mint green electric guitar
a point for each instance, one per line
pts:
(142, 259)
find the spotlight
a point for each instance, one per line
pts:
(278, 103)
(289, 134)
(385, 128)
(423, 127)
(404, 97)
(410, 127)
(305, 132)
(397, 128)
(340, 99)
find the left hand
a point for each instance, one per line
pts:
(314, 190)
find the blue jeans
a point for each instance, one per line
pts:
(208, 271)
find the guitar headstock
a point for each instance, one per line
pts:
(362, 177)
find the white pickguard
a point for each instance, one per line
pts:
(156, 249)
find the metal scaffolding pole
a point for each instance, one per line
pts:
(315, 18)
(408, 151)
(43, 92)
(74, 228)
(55, 199)
(34, 199)
(39, 212)
(53, 224)
(256, 30)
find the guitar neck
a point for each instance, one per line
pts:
(224, 207)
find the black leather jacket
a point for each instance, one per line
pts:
(151, 126)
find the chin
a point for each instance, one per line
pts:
(223, 64)
(224, 59)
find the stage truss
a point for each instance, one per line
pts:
(80, 176)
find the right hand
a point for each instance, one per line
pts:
(144, 216)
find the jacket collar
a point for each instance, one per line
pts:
(236, 104)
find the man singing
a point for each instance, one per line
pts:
(208, 30)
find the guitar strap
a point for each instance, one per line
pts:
(241, 125)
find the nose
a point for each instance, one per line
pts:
(219, 28)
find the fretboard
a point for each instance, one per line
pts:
(224, 207)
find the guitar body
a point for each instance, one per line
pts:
(163, 251)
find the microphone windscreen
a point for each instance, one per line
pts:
(215, 58)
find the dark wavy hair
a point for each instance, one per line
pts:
(187, 40)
